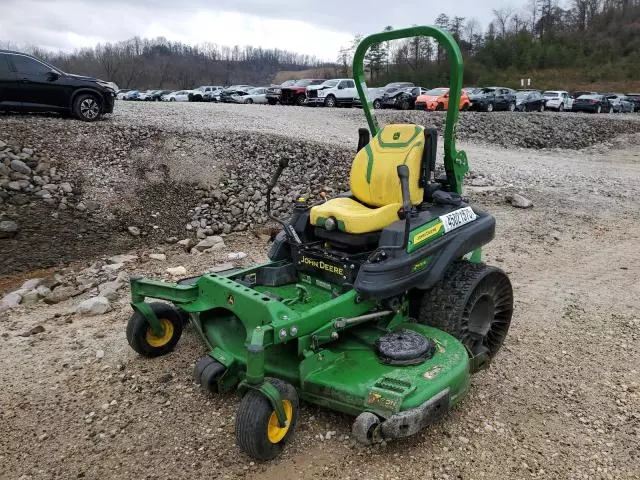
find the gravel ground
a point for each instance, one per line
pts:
(562, 399)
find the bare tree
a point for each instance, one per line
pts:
(471, 29)
(502, 16)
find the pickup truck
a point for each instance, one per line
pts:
(332, 93)
(296, 94)
(274, 91)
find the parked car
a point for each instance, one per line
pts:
(402, 98)
(198, 94)
(620, 103)
(438, 99)
(374, 93)
(30, 84)
(178, 96)
(274, 92)
(579, 93)
(157, 95)
(230, 94)
(296, 94)
(530, 101)
(558, 100)
(212, 95)
(635, 99)
(399, 85)
(493, 98)
(592, 103)
(121, 93)
(146, 95)
(332, 93)
(131, 95)
(255, 95)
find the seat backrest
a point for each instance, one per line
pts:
(374, 177)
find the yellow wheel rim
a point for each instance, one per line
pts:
(275, 432)
(157, 342)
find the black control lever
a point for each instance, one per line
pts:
(291, 234)
(403, 175)
(380, 253)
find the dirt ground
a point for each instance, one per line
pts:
(560, 401)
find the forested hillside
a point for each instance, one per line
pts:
(589, 42)
(159, 63)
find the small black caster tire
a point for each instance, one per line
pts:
(364, 428)
(142, 339)
(201, 364)
(257, 431)
(210, 375)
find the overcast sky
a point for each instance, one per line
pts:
(315, 27)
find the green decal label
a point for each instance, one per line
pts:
(425, 233)
(421, 264)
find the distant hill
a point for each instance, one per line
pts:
(159, 63)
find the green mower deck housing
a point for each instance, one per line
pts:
(386, 325)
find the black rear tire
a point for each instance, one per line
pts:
(254, 417)
(87, 107)
(377, 104)
(474, 303)
(142, 339)
(300, 100)
(489, 107)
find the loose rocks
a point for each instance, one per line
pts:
(8, 229)
(93, 306)
(519, 201)
(177, 271)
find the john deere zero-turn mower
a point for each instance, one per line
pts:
(374, 303)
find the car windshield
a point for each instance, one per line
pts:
(391, 90)
(436, 92)
(588, 97)
(303, 83)
(255, 91)
(522, 94)
(486, 90)
(330, 83)
(551, 94)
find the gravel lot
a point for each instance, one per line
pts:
(562, 400)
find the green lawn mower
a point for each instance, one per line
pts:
(374, 303)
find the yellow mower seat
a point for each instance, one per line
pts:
(375, 184)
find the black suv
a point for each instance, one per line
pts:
(493, 98)
(29, 84)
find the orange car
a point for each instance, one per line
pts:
(438, 99)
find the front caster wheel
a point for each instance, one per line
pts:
(364, 428)
(207, 372)
(258, 432)
(142, 339)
